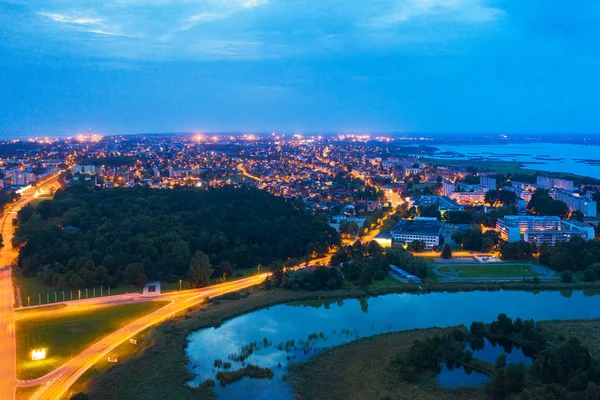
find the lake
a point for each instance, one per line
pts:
(552, 157)
(314, 326)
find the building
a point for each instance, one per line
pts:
(442, 202)
(520, 192)
(407, 231)
(448, 187)
(550, 183)
(23, 178)
(550, 230)
(586, 206)
(487, 182)
(84, 169)
(468, 197)
(384, 239)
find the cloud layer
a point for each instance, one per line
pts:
(254, 29)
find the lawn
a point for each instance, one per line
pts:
(65, 336)
(33, 287)
(497, 270)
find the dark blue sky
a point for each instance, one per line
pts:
(127, 66)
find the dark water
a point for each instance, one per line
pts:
(514, 354)
(459, 376)
(316, 326)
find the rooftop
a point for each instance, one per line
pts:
(426, 228)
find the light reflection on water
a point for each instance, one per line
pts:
(344, 321)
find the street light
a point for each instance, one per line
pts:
(180, 285)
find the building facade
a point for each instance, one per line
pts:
(575, 203)
(407, 231)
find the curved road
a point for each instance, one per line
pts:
(56, 383)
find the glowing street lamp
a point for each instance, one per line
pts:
(38, 354)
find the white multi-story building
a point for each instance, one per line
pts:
(550, 230)
(586, 206)
(468, 197)
(487, 182)
(447, 187)
(407, 231)
(549, 183)
(23, 178)
(84, 169)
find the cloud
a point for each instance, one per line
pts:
(451, 10)
(71, 19)
(255, 29)
(84, 23)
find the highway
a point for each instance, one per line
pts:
(8, 355)
(55, 384)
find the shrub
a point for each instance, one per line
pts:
(566, 276)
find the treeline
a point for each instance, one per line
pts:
(575, 255)
(86, 237)
(562, 367)
(363, 264)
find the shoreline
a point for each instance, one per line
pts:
(161, 361)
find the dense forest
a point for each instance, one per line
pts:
(86, 237)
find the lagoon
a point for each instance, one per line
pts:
(552, 157)
(315, 326)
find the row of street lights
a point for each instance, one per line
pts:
(63, 296)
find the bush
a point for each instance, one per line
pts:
(446, 252)
(566, 276)
(590, 275)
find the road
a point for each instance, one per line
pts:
(56, 383)
(8, 358)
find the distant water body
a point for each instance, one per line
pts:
(552, 157)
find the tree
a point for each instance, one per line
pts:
(566, 276)
(134, 272)
(200, 270)
(577, 216)
(417, 246)
(429, 211)
(446, 251)
(501, 361)
(374, 249)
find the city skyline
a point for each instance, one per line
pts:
(256, 65)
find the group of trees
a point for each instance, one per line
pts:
(425, 357)
(403, 211)
(575, 255)
(348, 229)
(405, 260)
(85, 237)
(542, 203)
(520, 250)
(322, 278)
(362, 264)
(504, 197)
(474, 239)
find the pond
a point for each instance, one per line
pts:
(315, 326)
(454, 376)
(514, 353)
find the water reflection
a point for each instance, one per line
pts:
(341, 322)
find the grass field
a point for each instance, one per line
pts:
(487, 271)
(361, 370)
(32, 287)
(66, 336)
